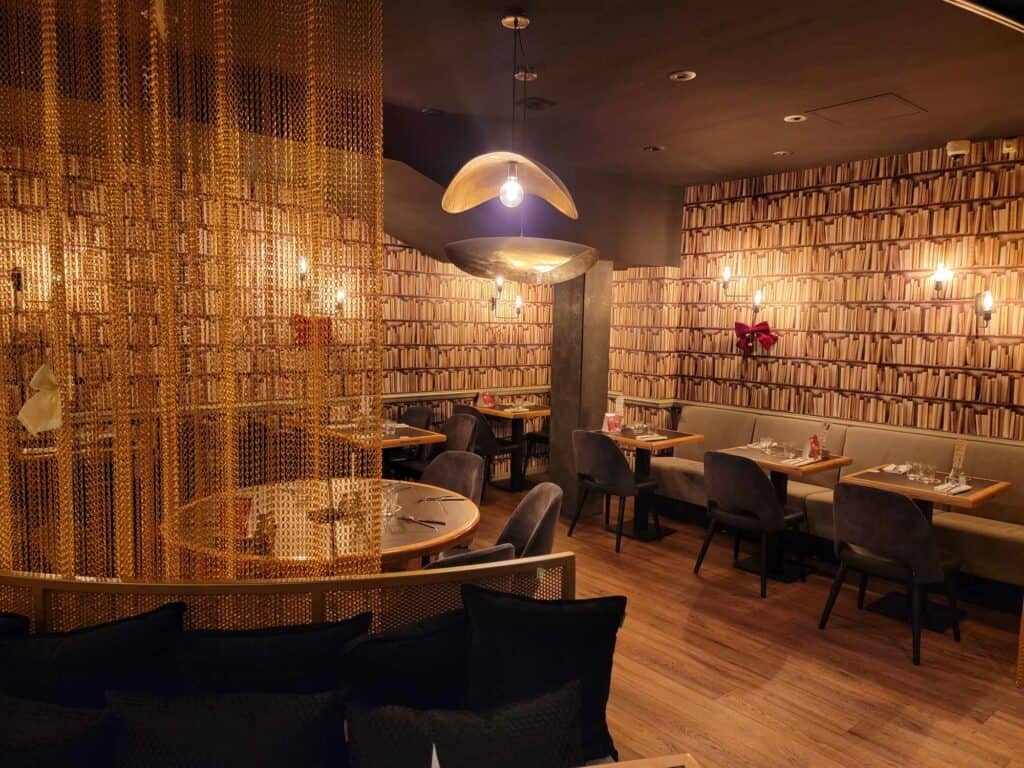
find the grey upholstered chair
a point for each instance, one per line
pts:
(885, 534)
(531, 528)
(487, 444)
(601, 468)
(417, 416)
(742, 499)
(459, 471)
(495, 554)
(460, 433)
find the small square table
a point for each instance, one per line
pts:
(628, 438)
(404, 436)
(517, 415)
(924, 494)
(780, 474)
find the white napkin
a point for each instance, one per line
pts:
(952, 488)
(799, 461)
(651, 437)
(896, 469)
(41, 412)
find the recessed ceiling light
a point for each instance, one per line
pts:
(682, 75)
(782, 153)
(431, 111)
(514, 19)
(795, 118)
(526, 74)
(654, 148)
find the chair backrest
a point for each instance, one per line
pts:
(459, 471)
(418, 416)
(486, 442)
(888, 525)
(494, 554)
(737, 486)
(531, 528)
(460, 432)
(598, 458)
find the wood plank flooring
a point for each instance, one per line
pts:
(705, 666)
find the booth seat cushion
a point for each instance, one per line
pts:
(798, 494)
(35, 734)
(869, 447)
(985, 547)
(1001, 461)
(681, 479)
(721, 429)
(818, 507)
(798, 431)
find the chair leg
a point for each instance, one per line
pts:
(607, 510)
(764, 564)
(527, 455)
(837, 584)
(861, 591)
(487, 479)
(618, 528)
(951, 596)
(579, 511)
(735, 547)
(712, 527)
(915, 620)
(910, 601)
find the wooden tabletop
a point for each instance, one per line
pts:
(669, 761)
(774, 463)
(505, 411)
(403, 541)
(404, 436)
(628, 438)
(981, 491)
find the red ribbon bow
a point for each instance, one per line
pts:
(746, 335)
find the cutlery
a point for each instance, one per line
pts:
(439, 498)
(418, 522)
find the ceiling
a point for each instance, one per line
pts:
(941, 73)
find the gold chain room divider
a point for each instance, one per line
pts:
(190, 239)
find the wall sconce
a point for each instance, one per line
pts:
(519, 305)
(339, 297)
(726, 277)
(942, 278)
(303, 269)
(758, 300)
(983, 304)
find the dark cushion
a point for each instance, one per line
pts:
(523, 647)
(295, 659)
(13, 624)
(75, 668)
(422, 665)
(248, 730)
(540, 733)
(41, 735)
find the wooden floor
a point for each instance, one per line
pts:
(705, 666)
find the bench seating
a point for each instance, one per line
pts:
(989, 540)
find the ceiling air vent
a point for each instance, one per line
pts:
(867, 111)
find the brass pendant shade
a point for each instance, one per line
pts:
(481, 178)
(537, 260)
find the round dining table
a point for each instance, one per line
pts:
(446, 519)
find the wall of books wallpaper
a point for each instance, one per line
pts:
(190, 228)
(845, 257)
(445, 341)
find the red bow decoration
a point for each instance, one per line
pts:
(746, 335)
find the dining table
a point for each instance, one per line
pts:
(645, 443)
(780, 469)
(430, 520)
(937, 617)
(517, 415)
(398, 436)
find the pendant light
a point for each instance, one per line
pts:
(510, 176)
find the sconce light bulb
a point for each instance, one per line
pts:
(726, 275)
(303, 268)
(986, 301)
(511, 192)
(339, 297)
(519, 304)
(499, 282)
(758, 298)
(942, 276)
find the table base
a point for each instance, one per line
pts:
(786, 572)
(632, 531)
(938, 617)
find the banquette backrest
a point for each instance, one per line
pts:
(721, 429)
(797, 430)
(871, 446)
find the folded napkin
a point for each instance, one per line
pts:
(952, 488)
(516, 409)
(41, 412)
(896, 469)
(652, 437)
(799, 461)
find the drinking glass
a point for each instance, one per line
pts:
(928, 474)
(916, 472)
(389, 503)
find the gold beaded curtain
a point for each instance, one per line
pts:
(190, 221)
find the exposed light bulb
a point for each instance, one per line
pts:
(303, 268)
(986, 301)
(519, 304)
(511, 193)
(499, 282)
(726, 275)
(942, 276)
(758, 298)
(339, 297)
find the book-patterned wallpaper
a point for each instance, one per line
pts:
(845, 257)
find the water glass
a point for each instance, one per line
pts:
(389, 503)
